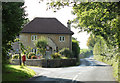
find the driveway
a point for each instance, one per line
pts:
(90, 71)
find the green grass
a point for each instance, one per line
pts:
(16, 73)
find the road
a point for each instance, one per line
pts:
(90, 71)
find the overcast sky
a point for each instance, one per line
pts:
(36, 9)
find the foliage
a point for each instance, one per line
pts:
(56, 56)
(75, 48)
(16, 73)
(41, 45)
(22, 47)
(101, 19)
(85, 53)
(100, 47)
(107, 54)
(30, 55)
(66, 52)
(64, 58)
(13, 16)
(98, 18)
(33, 57)
(91, 41)
(15, 56)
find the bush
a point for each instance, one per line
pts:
(75, 48)
(56, 56)
(33, 57)
(30, 54)
(66, 52)
(15, 56)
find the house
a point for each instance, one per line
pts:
(57, 35)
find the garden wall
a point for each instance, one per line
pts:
(48, 63)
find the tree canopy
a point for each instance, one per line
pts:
(13, 17)
(98, 18)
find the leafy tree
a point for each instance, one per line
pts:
(13, 17)
(41, 45)
(75, 48)
(99, 18)
(91, 41)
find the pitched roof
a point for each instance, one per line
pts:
(46, 26)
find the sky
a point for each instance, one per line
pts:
(36, 9)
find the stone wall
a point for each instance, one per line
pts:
(48, 63)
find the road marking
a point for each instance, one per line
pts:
(73, 80)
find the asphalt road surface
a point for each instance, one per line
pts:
(90, 71)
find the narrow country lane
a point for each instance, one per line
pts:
(90, 71)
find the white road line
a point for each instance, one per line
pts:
(74, 78)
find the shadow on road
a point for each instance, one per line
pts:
(60, 80)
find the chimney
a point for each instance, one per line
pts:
(69, 24)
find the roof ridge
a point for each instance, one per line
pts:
(45, 17)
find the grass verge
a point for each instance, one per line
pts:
(114, 62)
(16, 73)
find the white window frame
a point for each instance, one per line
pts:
(33, 36)
(33, 50)
(61, 38)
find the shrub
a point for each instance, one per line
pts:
(15, 56)
(75, 48)
(66, 52)
(30, 54)
(33, 57)
(56, 56)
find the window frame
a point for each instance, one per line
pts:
(33, 37)
(61, 38)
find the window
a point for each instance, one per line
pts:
(61, 38)
(34, 51)
(34, 37)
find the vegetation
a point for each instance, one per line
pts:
(85, 53)
(66, 52)
(108, 55)
(41, 45)
(15, 56)
(75, 49)
(30, 55)
(33, 57)
(91, 41)
(13, 18)
(16, 73)
(56, 56)
(101, 19)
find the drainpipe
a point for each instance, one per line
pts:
(69, 27)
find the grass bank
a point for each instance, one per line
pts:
(16, 73)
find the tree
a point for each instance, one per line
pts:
(75, 48)
(13, 17)
(41, 45)
(99, 18)
(91, 41)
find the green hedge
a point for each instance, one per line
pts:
(109, 55)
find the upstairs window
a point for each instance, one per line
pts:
(61, 38)
(34, 37)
